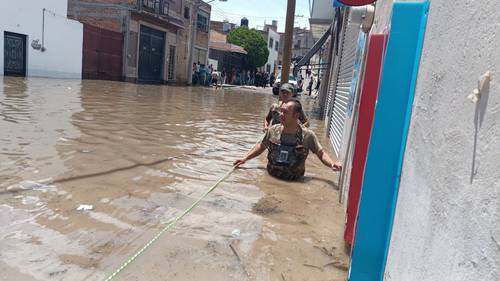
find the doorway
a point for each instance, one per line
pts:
(14, 51)
(151, 55)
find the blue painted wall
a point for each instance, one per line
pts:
(388, 141)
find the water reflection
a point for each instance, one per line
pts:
(15, 107)
(139, 154)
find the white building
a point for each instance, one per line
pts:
(272, 38)
(36, 39)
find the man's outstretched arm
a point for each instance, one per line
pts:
(325, 158)
(254, 152)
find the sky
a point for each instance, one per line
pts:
(259, 12)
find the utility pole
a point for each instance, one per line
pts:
(287, 47)
(192, 39)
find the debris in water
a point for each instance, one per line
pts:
(266, 205)
(40, 185)
(236, 233)
(314, 266)
(338, 264)
(239, 259)
(85, 207)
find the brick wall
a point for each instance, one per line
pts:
(202, 39)
(107, 14)
(112, 15)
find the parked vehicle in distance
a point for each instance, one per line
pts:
(277, 84)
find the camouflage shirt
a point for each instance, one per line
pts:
(287, 153)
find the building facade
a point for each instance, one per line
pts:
(225, 56)
(272, 37)
(152, 37)
(446, 224)
(222, 26)
(302, 42)
(37, 39)
(411, 111)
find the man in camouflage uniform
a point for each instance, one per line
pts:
(273, 116)
(288, 145)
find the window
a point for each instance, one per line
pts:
(271, 42)
(297, 45)
(276, 45)
(186, 13)
(148, 4)
(156, 6)
(171, 63)
(164, 7)
(202, 23)
(268, 68)
(199, 55)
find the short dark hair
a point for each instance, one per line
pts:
(296, 105)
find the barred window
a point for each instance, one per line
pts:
(202, 23)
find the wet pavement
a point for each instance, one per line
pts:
(140, 155)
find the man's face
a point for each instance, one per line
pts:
(285, 95)
(287, 115)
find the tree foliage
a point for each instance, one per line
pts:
(253, 42)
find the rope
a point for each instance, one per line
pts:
(169, 225)
(174, 221)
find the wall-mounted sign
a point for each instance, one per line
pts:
(352, 2)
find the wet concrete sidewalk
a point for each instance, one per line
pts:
(140, 155)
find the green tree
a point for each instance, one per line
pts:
(253, 42)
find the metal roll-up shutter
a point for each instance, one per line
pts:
(337, 43)
(330, 91)
(342, 92)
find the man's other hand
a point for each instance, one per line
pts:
(336, 166)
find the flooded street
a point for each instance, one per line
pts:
(140, 155)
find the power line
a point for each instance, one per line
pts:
(251, 16)
(300, 20)
(223, 14)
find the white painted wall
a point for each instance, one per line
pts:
(273, 53)
(447, 228)
(322, 9)
(63, 37)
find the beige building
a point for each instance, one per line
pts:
(141, 40)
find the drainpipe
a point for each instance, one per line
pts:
(43, 30)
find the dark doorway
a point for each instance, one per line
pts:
(151, 51)
(102, 54)
(14, 54)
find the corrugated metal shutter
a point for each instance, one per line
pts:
(342, 95)
(330, 93)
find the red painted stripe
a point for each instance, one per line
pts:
(369, 94)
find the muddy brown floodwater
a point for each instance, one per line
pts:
(140, 155)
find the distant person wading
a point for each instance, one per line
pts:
(273, 116)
